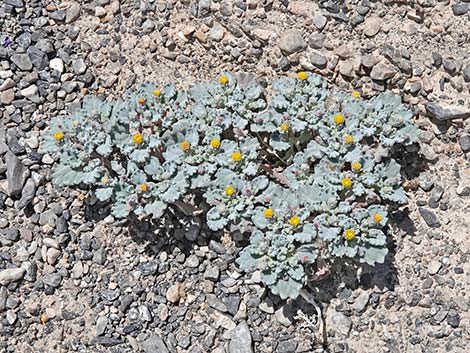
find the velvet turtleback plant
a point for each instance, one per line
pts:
(305, 171)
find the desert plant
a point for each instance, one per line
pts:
(306, 171)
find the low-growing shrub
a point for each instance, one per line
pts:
(305, 170)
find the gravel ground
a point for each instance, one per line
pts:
(72, 279)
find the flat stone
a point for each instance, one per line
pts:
(372, 26)
(292, 41)
(217, 32)
(382, 71)
(429, 217)
(346, 68)
(72, 13)
(444, 112)
(22, 61)
(241, 340)
(16, 174)
(11, 275)
(212, 273)
(154, 344)
(79, 66)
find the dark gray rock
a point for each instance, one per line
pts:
(38, 58)
(429, 217)
(241, 340)
(466, 73)
(453, 318)
(464, 142)
(16, 174)
(22, 61)
(444, 112)
(107, 341)
(287, 346)
(15, 3)
(450, 66)
(437, 59)
(460, 9)
(52, 279)
(27, 195)
(318, 60)
(154, 344)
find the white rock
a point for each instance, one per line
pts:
(57, 64)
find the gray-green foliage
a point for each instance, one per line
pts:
(306, 170)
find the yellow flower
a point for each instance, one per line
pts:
(229, 190)
(59, 135)
(356, 166)
(294, 220)
(302, 75)
(137, 138)
(104, 179)
(349, 234)
(268, 213)
(143, 187)
(338, 118)
(185, 145)
(349, 138)
(141, 100)
(215, 143)
(284, 126)
(377, 217)
(356, 94)
(237, 156)
(223, 79)
(157, 92)
(347, 182)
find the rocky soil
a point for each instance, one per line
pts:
(72, 279)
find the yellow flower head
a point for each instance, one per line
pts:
(349, 234)
(157, 92)
(356, 166)
(284, 126)
(302, 75)
(137, 138)
(185, 145)
(377, 217)
(268, 213)
(346, 182)
(141, 100)
(237, 156)
(294, 220)
(215, 143)
(223, 79)
(338, 118)
(356, 94)
(104, 180)
(58, 135)
(229, 190)
(143, 187)
(348, 138)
